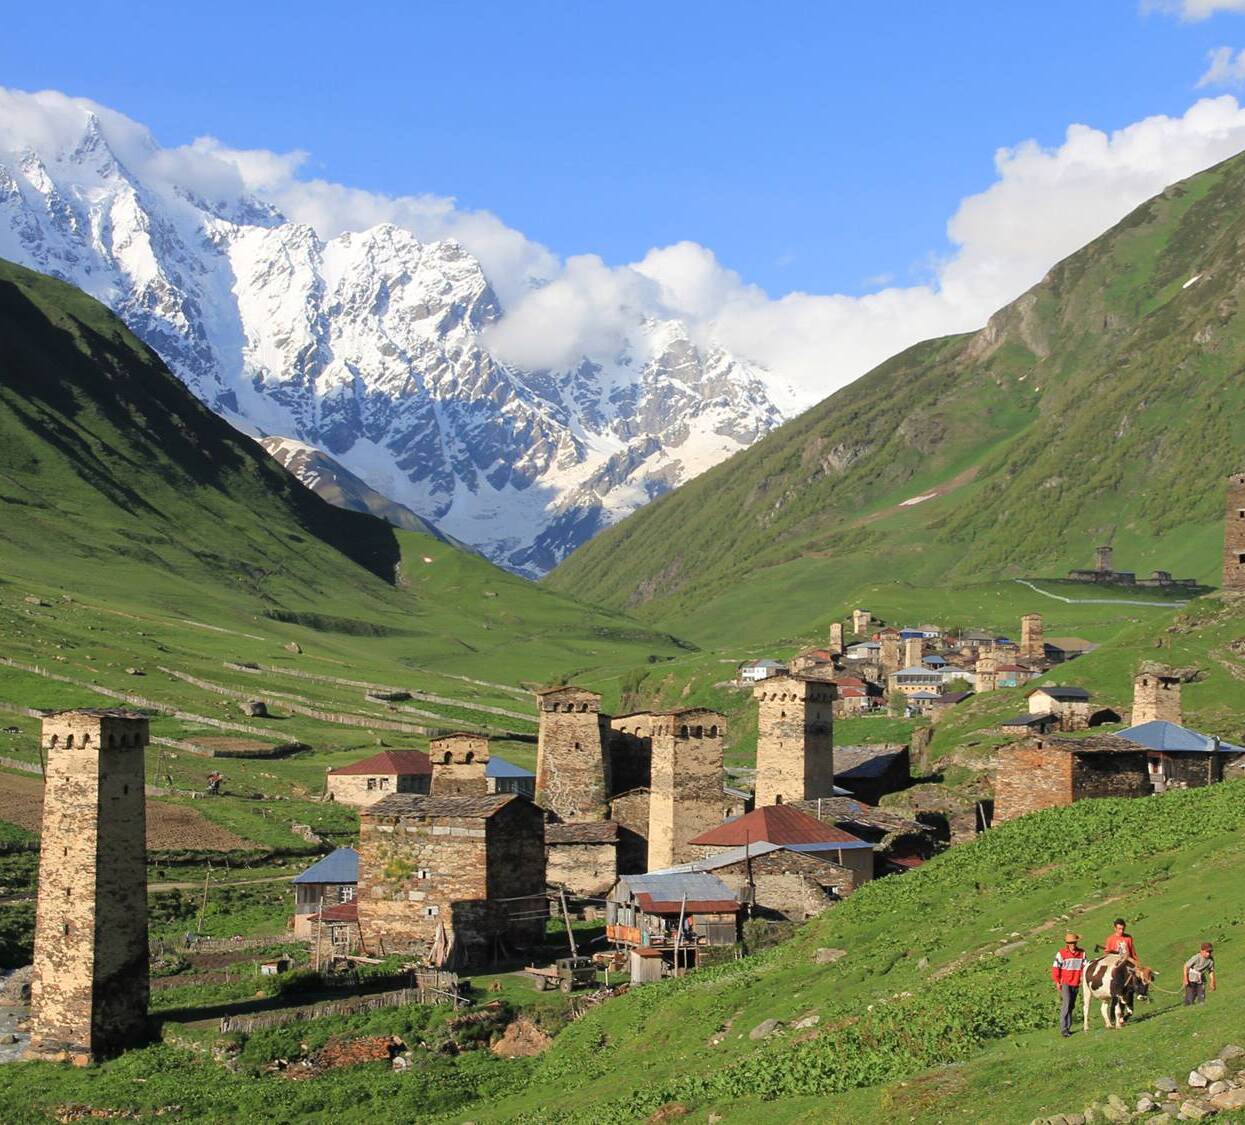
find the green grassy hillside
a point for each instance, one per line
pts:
(1103, 406)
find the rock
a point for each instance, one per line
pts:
(1216, 1087)
(1116, 1102)
(401, 1062)
(1073, 1119)
(1010, 947)
(293, 647)
(1231, 1051)
(765, 1029)
(714, 1118)
(1192, 1111)
(1214, 1070)
(522, 1039)
(1145, 1103)
(1198, 1080)
(1229, 1099)
(8, 1038)
(807, 1021)
(828, 956)
(255, 708)
(30, 599)
(1158, 1119)
(1167, 1085)
(1115, 1110)
(923, 963)
(15, 989)
(135, 672)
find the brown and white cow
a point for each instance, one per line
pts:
(1118, 983)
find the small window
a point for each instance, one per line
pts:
(578, 747)
(470, 757)
(431, 911)
(347, 894)
(65, 929)
(447, 759)
(423, 873)
(1240, 515)
(1240, 558)
(371, 783)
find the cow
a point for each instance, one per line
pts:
(1118, 983)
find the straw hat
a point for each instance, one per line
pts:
(1070, 936)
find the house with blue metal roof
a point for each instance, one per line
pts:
(1180, 758)
(506, 777)
(328, 882)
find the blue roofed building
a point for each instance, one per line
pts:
(1180, 758)
(329, 882)
(506, 777)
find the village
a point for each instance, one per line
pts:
(629, 823)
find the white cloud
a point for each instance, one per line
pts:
(1044, 203)
(1225, 69)
(1193, 11)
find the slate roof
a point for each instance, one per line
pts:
(1094, 744)
(664, 892)
(388, 763)
(499, 767)
(726, 858)
(865, 761)
(417, 804)
(954, 696)
(856, 814)
(340, 866)
(1174, 739)
(1061, 692)
(778, 824)
(599, 832)
(1029, 720)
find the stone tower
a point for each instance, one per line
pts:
(459, 762)
(1234, 535)
(686, 795)
(913, 652)
(795, 740)
(861, 619)
(89, 992)
(836, 638)
(1032, 637)
(1103, 559)
(891, 653)
(987, 672)
(1156, 695)
(570, 754)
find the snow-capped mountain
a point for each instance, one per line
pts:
(369, 346)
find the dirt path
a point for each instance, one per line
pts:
(1098, 601)
(169, 827)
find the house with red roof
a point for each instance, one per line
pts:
(365, 782)
(794, 831)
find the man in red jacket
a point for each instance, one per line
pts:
(1066, 973)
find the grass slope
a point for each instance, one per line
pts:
(1002, 431)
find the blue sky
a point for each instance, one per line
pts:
(812, 146)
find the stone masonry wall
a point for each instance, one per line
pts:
(630, 811)
(571, 779)
(584, 869)
(1110, 775)
(1156, 697)
(686, 793)
(459, 762)
(1028, 778)
(1234, 535)
(90, 988)
(795, 740)
(353, 788)
(1032, 637)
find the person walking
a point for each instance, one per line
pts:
(1199, 969)
(1121, 942)
(1066, 973)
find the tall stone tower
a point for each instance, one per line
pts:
(836, 638)
(861, 619)
(570, 754)
(1156, 695)
(795, 740)
(987, 670)
(913, 652)
(1234, 535)
(89, 992)
(1104, 558)
(686, 795)
(459, 764)
(1032, 637)
(891, 653)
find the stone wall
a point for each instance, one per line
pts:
(362, 790)
(791, 884)
(589, 869)
(1234, 535)
(459, 762)
(1156, 697)
(1110, 775)
(571, 779)
(686, 794)
(630, 752)
(1028, 778)
(795, 740)
(90, 987)
(630, 811)
(444, 860)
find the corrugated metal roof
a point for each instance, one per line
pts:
(672, 886)
(389, 763)
(340, 866)
(499, 767)
(776, 824)
(1174, 739)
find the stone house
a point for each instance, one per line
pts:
(334, 931)
(869, 773)
(917, 678)
(369, 780)
(1180, 758)
(798, 831)
(895, 839)
(1047, 772)
(861, 620)
(754, 671)
(776, 881)
(583, 858)
(1070, 705)
(643, 914)
(947, 700)
(921, 703)
(811, 659)
(1021, 726)
(459, 765)
(330, 881)
(466, 874)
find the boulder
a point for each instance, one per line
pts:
(1232, 1051)
(1229, 1099)
(8, 1038)
(828, 956)
(765, 1029)
(1214, 1070)
(1167, 1085)
(1192, 1111)
(1112, 1113)
(293, 647)
(255, 708)
(1198, 1080)
(1216, 1088)
(135, 672)
(1145, 1103)
(807, 1021)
